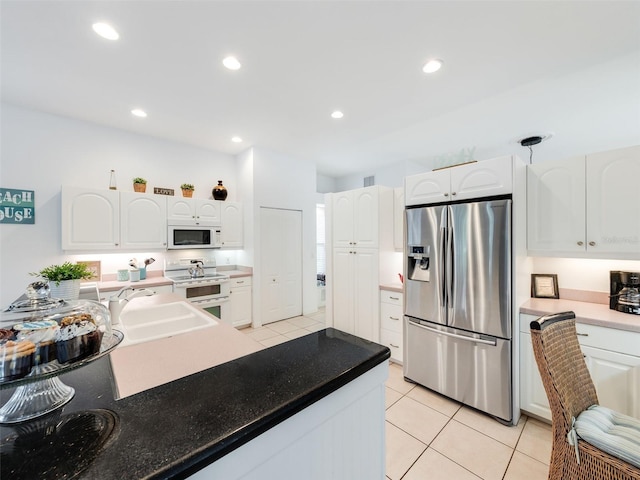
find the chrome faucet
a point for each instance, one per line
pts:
(117, 304)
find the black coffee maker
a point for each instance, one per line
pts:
(625, 292)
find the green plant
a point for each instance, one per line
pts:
(139, 180)
(66, 271)
(187, 186)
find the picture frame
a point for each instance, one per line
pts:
(94, 266)
(544, 285)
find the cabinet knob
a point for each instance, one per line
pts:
(446, 194)
(239, 281)
(580, 243)
(592, 244)
(453, 193)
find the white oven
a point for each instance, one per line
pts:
(201, 286)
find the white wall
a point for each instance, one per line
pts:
(280, 181)
(42, 152)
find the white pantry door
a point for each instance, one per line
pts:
(281, 254)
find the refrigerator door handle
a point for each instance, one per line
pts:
(493, 343)
(450, 266)
(442, 242)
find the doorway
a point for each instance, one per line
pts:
(281, 263)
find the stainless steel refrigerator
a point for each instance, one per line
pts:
(458, 324)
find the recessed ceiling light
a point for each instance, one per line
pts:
(236, 139)
(337, 114)
(231, 63)
(432, 66)
(139, 113)
(105, 31)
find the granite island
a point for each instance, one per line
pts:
(309, 408)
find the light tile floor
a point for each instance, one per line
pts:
(430, 437)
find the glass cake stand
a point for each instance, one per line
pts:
(41, 391)
(33, 318)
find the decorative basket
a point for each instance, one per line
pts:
(187, 193)
(140, 187)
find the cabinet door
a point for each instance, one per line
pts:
(342, 213)
(232, 226)
(240, 306)
(365, 217)
(426, 188)
(366, 294)
(398, 218)
(208, 212)
(616, 377)
(556, 206)
(533, 398)
(90, 219)
(181, 211)
(613, 209)
(482, 179)
(343, 290)
(143, 221)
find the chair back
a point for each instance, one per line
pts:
(564, 372)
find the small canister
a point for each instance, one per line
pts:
(123, 275)
(134, 274)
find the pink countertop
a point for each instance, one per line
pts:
(146, 365)
(392, 287)
(589, 313)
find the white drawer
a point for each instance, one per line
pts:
(620, 341)
(393, 340)
(391, 317)
(241, 282)
(387, 296)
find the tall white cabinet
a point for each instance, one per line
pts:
(361, 226)
(585, 206)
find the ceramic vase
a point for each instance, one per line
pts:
(219, 192)
(67, 290)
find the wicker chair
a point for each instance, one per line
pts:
(570, 391)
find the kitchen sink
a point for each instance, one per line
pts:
(160, 321)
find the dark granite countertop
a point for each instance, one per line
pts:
(174, 430)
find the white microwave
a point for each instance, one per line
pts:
(182, 237)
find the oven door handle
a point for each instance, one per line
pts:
(211, 302)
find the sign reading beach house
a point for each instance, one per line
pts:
(17, 206)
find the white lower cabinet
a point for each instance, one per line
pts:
(612, 357)
(391, 323)
(355, 292)
(240, 302)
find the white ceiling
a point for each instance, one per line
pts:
(512, 68)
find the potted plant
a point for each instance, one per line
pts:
(64, 279)
(139, 185)
(187, 189)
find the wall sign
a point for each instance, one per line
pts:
(163, 191)
(17, 206)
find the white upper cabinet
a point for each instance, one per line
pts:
(90, 219)
(613, 208)
(556, 206)
(143, 221)
(232, 224)
(585, 206)
(193, 211)
(473, 180)
(356, 218)
(398, 218)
